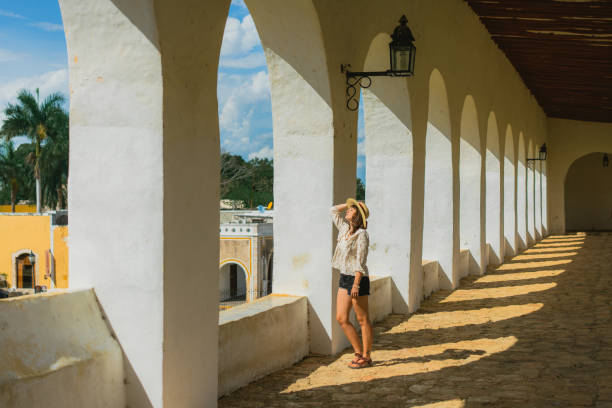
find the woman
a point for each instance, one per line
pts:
(350, 258)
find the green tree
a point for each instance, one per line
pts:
(12, 170)
(360, 190)
(54, 165)
(250, 182)
(29, 117)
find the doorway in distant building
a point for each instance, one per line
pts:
(24, 272)
(232, 283)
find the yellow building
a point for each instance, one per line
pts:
(41, 238)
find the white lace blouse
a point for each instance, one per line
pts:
(351, 253)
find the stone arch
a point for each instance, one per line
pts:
(537, 181)
(470, 173)
(232, 284)
(521, 195)
(544, 188)
(389, 154)
(438, 203)
(509, 195)
(15, 256)
(493, 192)
(588, 194)
(531, 194)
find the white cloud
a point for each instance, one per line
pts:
(7, 55)
(239, 3)
(361, 148)
(47, 83)
(43, 25)
(11, 14)
(265, 152)
(250, 61)
(239, 37)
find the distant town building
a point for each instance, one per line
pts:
(246, 254)
(34, 250)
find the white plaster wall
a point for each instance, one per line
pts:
(144, 131)
(430, 278)
(538, 200)
(569, 140)
(545, 228)
(116, 173)
(530, 196)
(260, 337)
(57, 351)
(493, 193)
(380, 303)
(510, 205)
(521, 196)
(438, 206)
(388, 147)
(470, 169)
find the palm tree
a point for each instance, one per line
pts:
(54, 165)
(12, 169)
(35, 120)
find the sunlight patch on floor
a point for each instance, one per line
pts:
(519, 276)
(563, 246)
(462, 295)
(402, 362)
(526, 257)
(455, 403)
(531, 265)
(443, 320)
(551, 249)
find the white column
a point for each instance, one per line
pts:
(144, 165)
(388, 146)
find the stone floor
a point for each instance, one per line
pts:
(534, 332)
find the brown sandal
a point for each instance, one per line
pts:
(363, 362)
(358, 357)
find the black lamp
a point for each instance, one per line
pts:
(542, 155)
(402, 54)
(32, 257)
(606, 161)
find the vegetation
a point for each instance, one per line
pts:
(248, 181)
(45, 157)
(252, 181)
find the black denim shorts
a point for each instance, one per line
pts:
(346, 282)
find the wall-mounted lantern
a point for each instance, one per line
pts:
(401, 59)
(32, 257)
(542, 154)
(606, 161)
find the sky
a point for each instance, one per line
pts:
(33, 55)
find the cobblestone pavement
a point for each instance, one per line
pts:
(534, 332)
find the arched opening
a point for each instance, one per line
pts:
(544, 199)
(470, 168)
(509, 195)
(588, 194)
(25, 272)
(521, 195)
(493, 193)
(538, 199)
(232, 283)
(530, 195)
(247, 166)
(388, 154)
(438, 203)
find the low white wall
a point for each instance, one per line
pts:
(380, 303)
(56, 351)
(464, 263)
(260, 337)
(431, 282)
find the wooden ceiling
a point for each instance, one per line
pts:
(561, 48)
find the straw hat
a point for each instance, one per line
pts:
(363, 209)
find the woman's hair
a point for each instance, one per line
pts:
(357, 221)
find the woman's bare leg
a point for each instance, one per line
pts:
(343, 307)
(360, 304)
